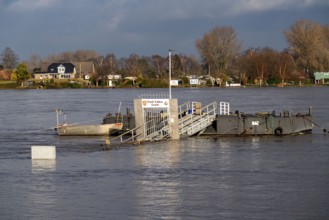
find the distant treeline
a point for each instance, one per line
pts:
(220, 56)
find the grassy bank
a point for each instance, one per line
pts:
(5, 84)
(80, 83)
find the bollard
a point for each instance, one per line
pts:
(43, 152)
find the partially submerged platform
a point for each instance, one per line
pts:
(162, 119)
(261, 124)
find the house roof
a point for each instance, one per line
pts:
(69, 67)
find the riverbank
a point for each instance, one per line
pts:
(83, 84)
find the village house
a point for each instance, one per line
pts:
(57, 71)
(113, 78)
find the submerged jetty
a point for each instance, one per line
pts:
(156, 119)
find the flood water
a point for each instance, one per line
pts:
(196, 178)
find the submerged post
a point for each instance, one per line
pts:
(310, 110)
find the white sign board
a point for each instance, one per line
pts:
(194, 82)
(155, 103)
(174, 82)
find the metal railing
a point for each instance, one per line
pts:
(157, 127)
(224, 108)
(155, 130)
(195, 122)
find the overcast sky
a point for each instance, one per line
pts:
(146, 27)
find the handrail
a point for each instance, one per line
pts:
(145, 134)
(188, 124)
(184, 107)
(205, 118)
(126, 133)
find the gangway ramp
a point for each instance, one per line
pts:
(157, 132)
(192, 119)
(196, 121)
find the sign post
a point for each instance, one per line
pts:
(170, 73)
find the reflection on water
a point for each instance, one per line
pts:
(155, 156)
(158, 190)
(43, 166)
(255, 143)
(41, 195)
(223, 143)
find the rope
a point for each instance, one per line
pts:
(323, 129)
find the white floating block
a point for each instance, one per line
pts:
(43, 152)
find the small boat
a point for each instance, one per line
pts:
(88, 130)
(104, 129)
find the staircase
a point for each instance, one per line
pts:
(196, 121)
(192, 121)
(159, 131)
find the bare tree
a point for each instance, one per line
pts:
(192, 65)
(324, 57)
(244, 66)
(100, 69)
(184, 65)
(84, 55)
(73, 56)
(309, 45)
(105, 66)
(218, 48)
(284, 65)
(111, 63)
(256, 63)
(34, 62)
(176, 65)
(66, 56)
(9, 58)
(158, 64)
(134, 66)
(260, 66)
